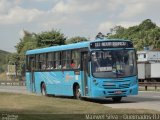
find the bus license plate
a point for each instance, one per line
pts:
(118, 92)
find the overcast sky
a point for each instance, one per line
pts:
(72, 17)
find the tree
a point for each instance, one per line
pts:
(32, 41)
(76, 40)
(28, 42)
(117, 30)
(50, 38)
(144, 34)
(3, 61)
(147, 24)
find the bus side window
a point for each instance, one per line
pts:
(66, 57)
(43, 61)
(28, 67)
(50, 61)
(75, 59)
(72, 65)
(32, 62)
(57, 62)
(37, 62)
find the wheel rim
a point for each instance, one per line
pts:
(78, 93)
(43, 90)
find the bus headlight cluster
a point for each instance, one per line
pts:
(134, 82)
(95, 82)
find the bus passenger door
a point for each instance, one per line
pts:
(32, 79)
(84, 65)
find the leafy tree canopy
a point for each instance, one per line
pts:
(50, 38)
(146, 33)
(26, 43)
(76, 40)
(32, 41)
(3, 63)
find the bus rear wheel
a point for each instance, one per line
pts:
(116, 99)
(43, 89)
(77, 93)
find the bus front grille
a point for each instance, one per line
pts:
(117, 85)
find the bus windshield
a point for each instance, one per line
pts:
(113, 63)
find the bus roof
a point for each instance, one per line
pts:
(69, 46)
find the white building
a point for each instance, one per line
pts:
(148, 56)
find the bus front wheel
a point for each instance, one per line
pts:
(77, 93)
(43, 89)
(116, 99)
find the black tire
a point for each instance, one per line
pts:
(77, 93)
(43, 89)
(116, 99)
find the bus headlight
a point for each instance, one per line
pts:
(95, 82)
(134, 82)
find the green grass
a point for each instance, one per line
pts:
(40, 107)
(40, 104)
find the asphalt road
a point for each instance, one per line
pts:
(144, 100)
(14, 89)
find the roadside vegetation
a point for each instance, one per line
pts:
(3, 64)
(146, 34)
(21, 103)
(35, 105)
(3, 76)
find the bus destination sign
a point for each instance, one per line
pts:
(111, 44)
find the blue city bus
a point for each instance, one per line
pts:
(102, 68)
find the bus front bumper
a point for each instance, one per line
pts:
(101, 92)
